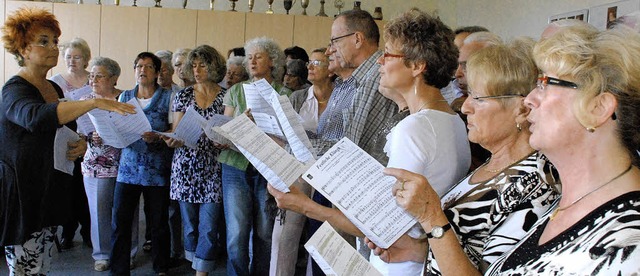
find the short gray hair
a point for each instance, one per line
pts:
(485, 38)
(165, 56)
(276, 55)
(238, 60)
(111, 65)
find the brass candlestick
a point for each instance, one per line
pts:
(321, 12)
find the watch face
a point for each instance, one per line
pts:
(437, 232)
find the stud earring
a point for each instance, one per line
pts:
(591, 129)
(518, 127)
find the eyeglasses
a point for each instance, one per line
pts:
(47, 45)
(546, 80)
(463, 66)
(147, 66)
(481, 98)
(97, 77)
(387, 54)
(315, 63)
(332, 41)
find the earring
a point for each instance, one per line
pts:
(518, 127)
(591, 129)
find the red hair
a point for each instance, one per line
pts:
(20, 27)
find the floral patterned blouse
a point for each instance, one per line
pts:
(196, 175)
(100, 160)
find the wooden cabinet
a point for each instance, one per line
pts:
(221, 30)
(77, 21)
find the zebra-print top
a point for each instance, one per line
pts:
(490, 217)
(605, 242)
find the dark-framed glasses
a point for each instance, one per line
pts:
(315, 63)
(332, 41)
(480, 98)
(390, 55)
(97, 77)
(53, 45)
(544, 81)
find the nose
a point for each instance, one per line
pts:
(533, 99)
(380, 60)
(467, 107)
(459, 72)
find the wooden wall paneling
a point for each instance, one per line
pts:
(78, 21)
(276, 26)
(124, 33)
(10, 65)
(311, 32)
(170, 29)
(221, 29)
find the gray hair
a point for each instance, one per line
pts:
(180, 52)
(276, 55)
(165, 56)
(485, 38)
(238, 60)
(111, 65)
(80, 44)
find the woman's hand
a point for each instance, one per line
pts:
(150, 137)
(109, 105)
(220, 146)
(294, 200)
(76, 149)
(171, 142)
(249, 115)
(404, 249)
(414, 194)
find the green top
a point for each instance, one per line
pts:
(235, 98)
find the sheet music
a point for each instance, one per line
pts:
(255, 99)
(75, 95)
(120, 131)
(64, 135)
(293, 130)
(276, 165)
(85, 126)
(189, 128)
(216, 121)
(336, 256)
(268, 123)
(353, 181)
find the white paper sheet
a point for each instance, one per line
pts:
(85, 126)
(215, 121)
(274, 163)
(75, 95)
(64, 135)
(293, 130)
(189, 128)
(336, 256)
(268, 124)
(120, 131)
(256, 100)
(353, 181)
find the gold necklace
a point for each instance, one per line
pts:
(557, 210)
(428, 102)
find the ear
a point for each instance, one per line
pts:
(359, 40)
(417, 68)
(602, 107)
(521, 111)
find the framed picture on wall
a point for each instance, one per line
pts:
(580, 15)
(603, 16)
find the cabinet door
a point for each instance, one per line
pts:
(170, 29)
(124, 33)
(221, 30)
(78, 21)
(10, 65)
(276, 26)
(311, 32)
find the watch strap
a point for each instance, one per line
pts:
(445, 228)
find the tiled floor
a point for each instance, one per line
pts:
(78, 261)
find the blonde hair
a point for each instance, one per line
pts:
(504, 69)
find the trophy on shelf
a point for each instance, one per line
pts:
(339, 4)
(233, 5)
(116, 2)
(250, 5)
(157, 5)
(321, 12)
(305, 4)
(288, 4)
(99, 2)
(135, 3)
(211, 4)
(270, 9)
(184, 4)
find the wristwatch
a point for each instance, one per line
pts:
(438, 231)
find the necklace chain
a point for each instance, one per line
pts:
(502, 169)
(557, 210)
(428, 102)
